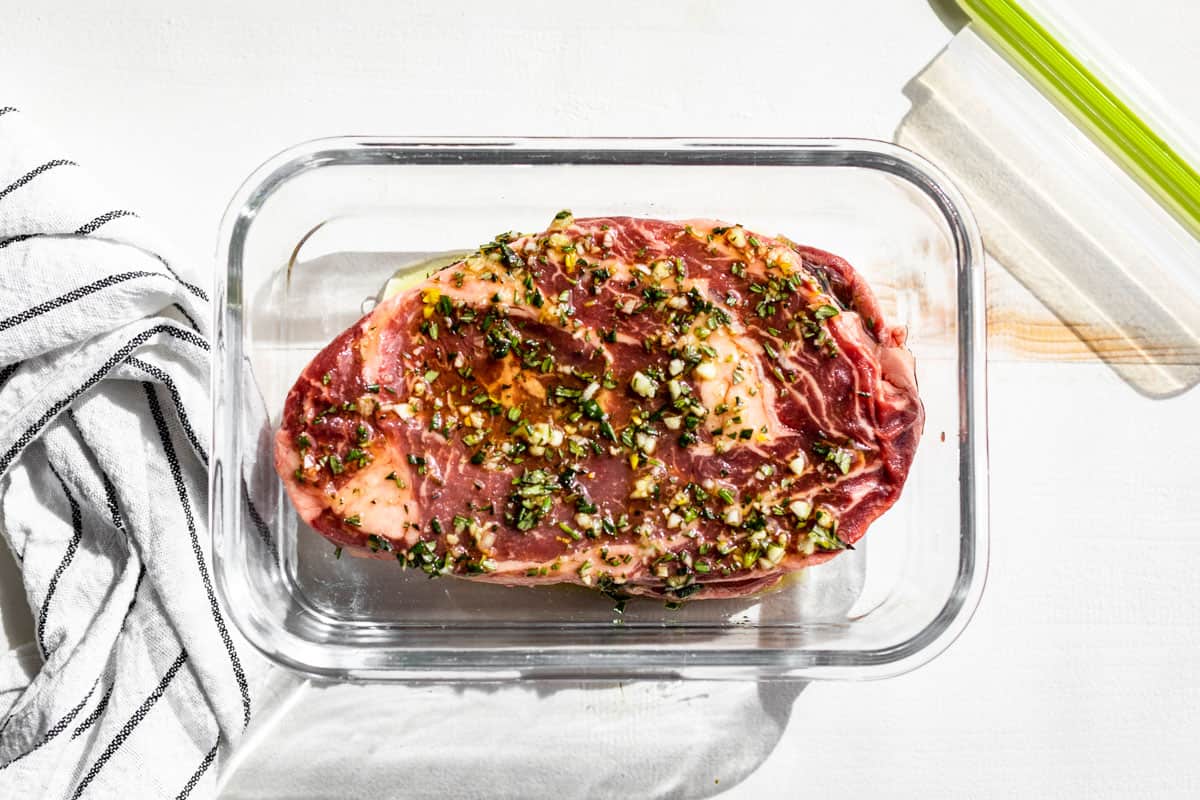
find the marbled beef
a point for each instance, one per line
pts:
(644, 407)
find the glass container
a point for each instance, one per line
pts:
(312, 236)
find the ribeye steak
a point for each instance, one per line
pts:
(640, 406)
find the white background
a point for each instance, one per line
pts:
(1080, 674)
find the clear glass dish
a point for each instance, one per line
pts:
(312, 236)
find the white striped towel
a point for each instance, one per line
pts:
(141, 682)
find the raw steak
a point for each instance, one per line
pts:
(640, 406)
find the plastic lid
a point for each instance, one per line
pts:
(1077, 62)
(1081, 232)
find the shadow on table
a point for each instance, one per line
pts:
(16, 617)
(949, 13)
(542, 739)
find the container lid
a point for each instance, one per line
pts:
(1079, 191)
(1082, 63)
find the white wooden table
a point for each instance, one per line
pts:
(1080, 675)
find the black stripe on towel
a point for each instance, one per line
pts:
(166, 381)
(187, 316)
(98, 711)
(129, 726)
(91, 718)
(72, 296)
(209, 757)
(33, 173)
(14, 239)
(58, 727)
(110, 491)
(183, 334)
(7, 372)
(106, 217)
(191, 287)
(72, 546)
(164, 434)
(260, 525)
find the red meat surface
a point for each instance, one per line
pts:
(674, 409)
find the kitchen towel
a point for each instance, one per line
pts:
(136, 683)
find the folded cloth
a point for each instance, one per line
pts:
(104, 439)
